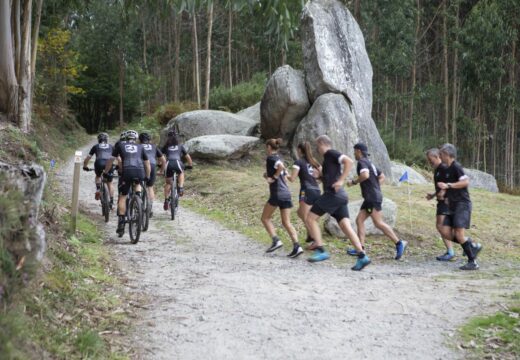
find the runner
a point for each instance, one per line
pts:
(334, 201)
(306, 168)
(103, 151)
(279, 197)
(370, 179)
(153, 153)
(459, 218)
(135, 165)
(174, 153)
(439, 174)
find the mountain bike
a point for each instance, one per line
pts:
(134, 213)
(174, 196)
(104, 197)
(147, 207)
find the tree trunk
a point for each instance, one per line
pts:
(229, 46)
(196, 56)
(512, 157)
(145, 45)
(445, 72)
(17, 34)
(357, 11)
(8, 81)
(414, 71)
(208, 58)
(454, 101)
(24, 80)
(121, 88)
(176, 83)
(36, 31)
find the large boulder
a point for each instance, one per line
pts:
(284, 104)
(335, 61)
(414, 177)
(481, 180)
(252, 113)
(220, 147)
(389, 216)
(209, 122)
(26, 237)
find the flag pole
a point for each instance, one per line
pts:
(410, 205)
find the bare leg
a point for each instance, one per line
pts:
(446, 235)
(314, 228)
(111, 189)
(377, 218)
(151, 194)
(121, 205)
(167, 188)
(180, 179)
(267, 215)
(346, 227)
(360, 223)
(286, 222)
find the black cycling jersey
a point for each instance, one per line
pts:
(174, 152)
(278, 189)
(103, 151)
(119, 142)
(439, 175)
(306, 174)
(332, 172)
(370, 188)
(153, 152)
(453, 174)
(131, 154)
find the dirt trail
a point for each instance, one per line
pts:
(215, 295)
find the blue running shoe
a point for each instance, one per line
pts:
(400, 247)
(319, 256)
(361, 263)
(352, 252)
(446, 257)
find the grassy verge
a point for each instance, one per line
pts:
(494, 336)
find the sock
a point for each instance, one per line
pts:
(451, 252)
(320, 249)
(361, 255)
(275, 239)
(121, 218)
(296, 245)
(468, 250)
(98, 186)
(138, 193)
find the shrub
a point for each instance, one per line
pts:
(241, 96)
(168, 111)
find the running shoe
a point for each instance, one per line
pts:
(120, 228)
(166, 205)
(471, 265)
(361, 263)
(400, 247)
(297, 251)
(312, 246)
(98, 195)
(352, 252)
(318, 256)
(275, 246)
(446, 257)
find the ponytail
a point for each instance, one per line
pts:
(274, 143)
(306, 150)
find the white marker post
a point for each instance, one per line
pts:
(75, 191)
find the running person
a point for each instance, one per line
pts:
(456, 184)
(135, 165)
(174, 153)
(370, 179)
(103, 152)
(279, 197)
(306, 168)
(334, 201)
(153, 153)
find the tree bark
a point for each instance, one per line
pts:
(121, 88)
(17, 35)
(445, 71)
(176, 82)
(455, 100)
(414, 71)
(24, 80)
(145, 45)
(36, 31)
(208, 58)
(229, 45)
(8, 80)
(196, 56)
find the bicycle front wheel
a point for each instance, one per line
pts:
(135, 218)
(105, 202)
(146, 210)
(173, 198)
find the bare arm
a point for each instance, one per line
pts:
(347, 166)
(381, 178)
(87, 159)
(461, 184)
(147, 168)
(190, 161)
(292, 177)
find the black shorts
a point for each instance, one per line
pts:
(370, 206)
(129, 175)
(309, 196)
(151, 180)
(459, 216)
(282, 204)
(328, 203)
(99, 167)
(174, 167)
(442, 208)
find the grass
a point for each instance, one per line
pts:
(495, 336)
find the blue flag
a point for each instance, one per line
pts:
(53, 163)
(404, 177)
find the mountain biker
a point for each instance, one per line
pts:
(154, 154)
(103, 152)
(122, 140)
(135, 165)
(174, 152)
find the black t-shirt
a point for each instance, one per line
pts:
(453, 174)
(332, 171)
(439, 175)
(278, 189)
(306, 174)
(174, 152)
(370, 188)
(103, 151)
(153, 152)
(131, 154)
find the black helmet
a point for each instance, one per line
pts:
(122, 137)
(144, 137)
(172, 132)
(132, 135)
(102, 137)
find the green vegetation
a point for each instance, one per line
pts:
(494, 336)
(240, 96)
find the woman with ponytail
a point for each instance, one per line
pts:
(280, 197)
(307, 169)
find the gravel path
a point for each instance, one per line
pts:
(214, 294)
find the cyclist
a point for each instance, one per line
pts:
(135, 165)
(103, 151)
(174, 152)
(153, 153)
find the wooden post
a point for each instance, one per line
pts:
(75, 191)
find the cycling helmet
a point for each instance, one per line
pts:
(102, 137)
(122, 137)
(172, 133)
(144, 137)
(132, 135)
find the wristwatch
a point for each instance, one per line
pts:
(449, 185)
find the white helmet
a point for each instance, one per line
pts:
(132, 135)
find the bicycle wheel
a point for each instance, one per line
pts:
(146, 209)
(105, 202)
(173, 197)
(135, 217)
